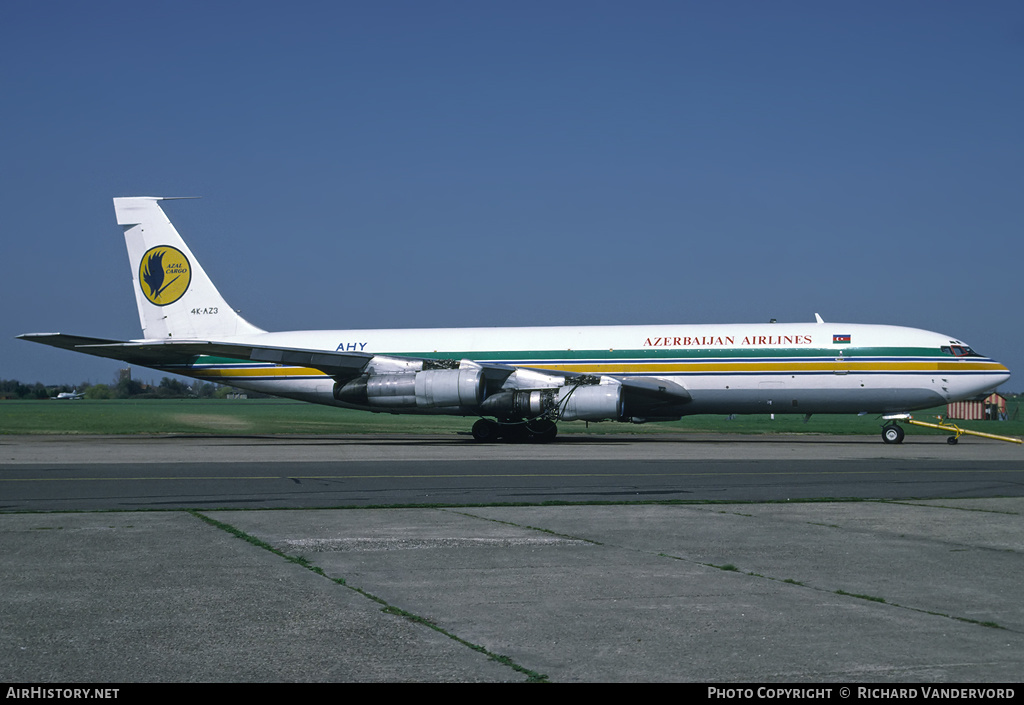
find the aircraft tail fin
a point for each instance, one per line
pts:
(176, 298)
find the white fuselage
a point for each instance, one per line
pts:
(736, 368)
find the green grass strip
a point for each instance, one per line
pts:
(285, 417)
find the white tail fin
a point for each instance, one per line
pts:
(175, 297)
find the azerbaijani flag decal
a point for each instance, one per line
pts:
(841, 339)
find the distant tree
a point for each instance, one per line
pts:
(13, 389)
(122, 388)
(99, 391)
(127, 388)
(9, 389)
(206, 390)
(172, 389)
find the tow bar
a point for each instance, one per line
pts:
(943, 425)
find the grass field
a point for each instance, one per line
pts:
(270, 416)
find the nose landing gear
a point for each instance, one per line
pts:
(891, 433)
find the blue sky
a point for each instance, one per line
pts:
(401, 164)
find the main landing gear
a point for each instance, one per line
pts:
(533, 431)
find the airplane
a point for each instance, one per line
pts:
(520, 382)
(70, 395)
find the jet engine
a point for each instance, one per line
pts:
(571, 403)
(426, 389)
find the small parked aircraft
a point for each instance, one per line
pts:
(70, 395)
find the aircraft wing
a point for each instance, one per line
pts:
(158, 353)
(340, 365)
(643, 396)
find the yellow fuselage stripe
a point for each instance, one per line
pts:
(667, 368)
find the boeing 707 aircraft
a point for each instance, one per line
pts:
(521, 381)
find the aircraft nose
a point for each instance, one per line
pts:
(1000, 373)
(986, 378)
(1005, 374)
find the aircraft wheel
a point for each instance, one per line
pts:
(485, 431)
(952, 440)
(892, 434)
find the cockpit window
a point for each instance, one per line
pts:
(959, 351)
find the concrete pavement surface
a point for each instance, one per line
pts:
(914, 591)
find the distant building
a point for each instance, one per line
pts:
(990, 408)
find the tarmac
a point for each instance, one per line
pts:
(915, 591)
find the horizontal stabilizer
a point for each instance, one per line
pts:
(65, 341)
(114, 349)
(181, 352)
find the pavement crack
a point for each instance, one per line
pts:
(386, 607)
(549, 532)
